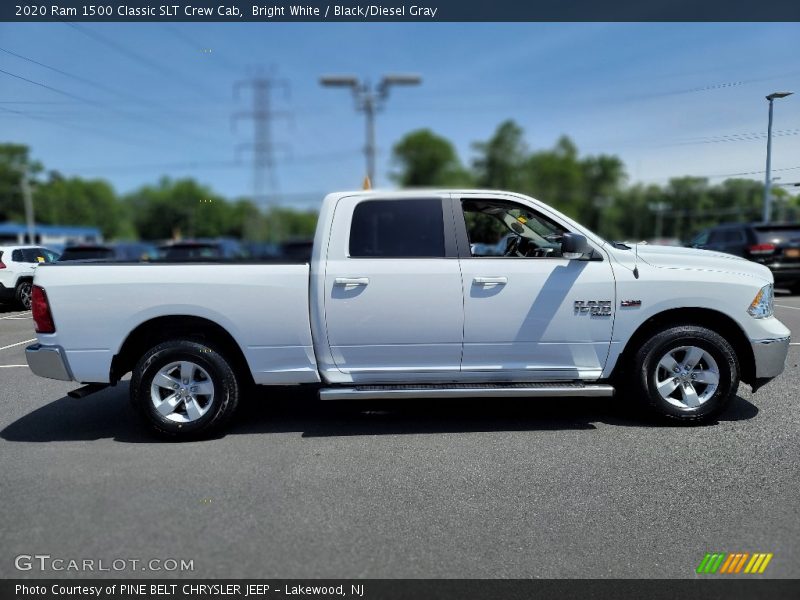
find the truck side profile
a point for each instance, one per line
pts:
(398, 302)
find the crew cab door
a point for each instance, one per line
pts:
(393, 298)
(529, 313)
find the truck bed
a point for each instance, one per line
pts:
(263, 306)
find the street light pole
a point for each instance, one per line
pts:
(369, 101)
(768, 179)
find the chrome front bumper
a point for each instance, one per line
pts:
(770, 356)
(48, 361)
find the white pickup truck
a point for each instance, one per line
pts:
(399, 302)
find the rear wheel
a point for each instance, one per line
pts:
(23, 294)
(686, 373)
(184, 389)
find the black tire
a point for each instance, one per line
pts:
(646, 369)
(213, 367)
(22, 294)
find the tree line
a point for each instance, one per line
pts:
(592, 189)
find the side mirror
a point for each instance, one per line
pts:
(574, 246)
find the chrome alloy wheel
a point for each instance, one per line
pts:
(25, 290)
(182, 391)
(687, 377)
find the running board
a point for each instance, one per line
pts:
(466, 390)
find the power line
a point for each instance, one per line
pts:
(135, 56)
(92, 131)
(91, 102)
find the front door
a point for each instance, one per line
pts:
(529, 313)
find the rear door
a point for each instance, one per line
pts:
(393, 296)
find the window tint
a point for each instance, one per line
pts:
(732, 236)
(715, 237)
(32, 255)
(497, 228)
(701, 239)
(397, 229)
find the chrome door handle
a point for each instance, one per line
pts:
(490, 280)
(351, 281)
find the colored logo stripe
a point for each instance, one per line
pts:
(723, 562)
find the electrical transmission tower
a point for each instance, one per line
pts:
(265, 179)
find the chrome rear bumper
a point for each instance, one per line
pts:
(48, 361)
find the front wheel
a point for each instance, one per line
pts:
(184, 389)
(686, 373)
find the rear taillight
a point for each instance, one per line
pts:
(41, 311)
(2, 265)
(762, 249)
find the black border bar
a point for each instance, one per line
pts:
(398, 10)
(731, 588)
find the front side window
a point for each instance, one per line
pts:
(498, 228)
(397, 229)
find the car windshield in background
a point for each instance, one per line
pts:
(86, 253)
(34, 255)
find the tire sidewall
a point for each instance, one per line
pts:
(711, 342)
(226, 387)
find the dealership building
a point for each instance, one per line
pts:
(55, 235)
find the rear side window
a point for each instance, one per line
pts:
(733, 236)
(397, 229)
(32, 255)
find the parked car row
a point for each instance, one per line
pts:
(17, 266)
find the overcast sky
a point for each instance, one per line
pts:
(135, 101)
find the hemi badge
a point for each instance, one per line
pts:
(630, 303)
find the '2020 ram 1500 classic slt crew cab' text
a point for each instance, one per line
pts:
(398, 301)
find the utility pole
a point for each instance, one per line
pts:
(370, 101)
(768, 178)
(27, 199)
(265, 179)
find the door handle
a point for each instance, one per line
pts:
(490, 280)
(351, 281)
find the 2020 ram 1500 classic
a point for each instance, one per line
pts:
(398, 302)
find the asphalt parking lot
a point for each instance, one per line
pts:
(301, 489)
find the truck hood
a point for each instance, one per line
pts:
(673, 257)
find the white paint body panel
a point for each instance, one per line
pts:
(263, 307)
(416, 321)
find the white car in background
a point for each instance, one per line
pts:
(17, 266)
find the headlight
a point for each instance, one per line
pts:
(762, 305)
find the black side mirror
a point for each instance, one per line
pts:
(574, 246)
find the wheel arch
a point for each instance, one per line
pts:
(160, 329)
(703, 317)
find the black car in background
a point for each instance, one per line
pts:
(203, 250)
(775, 245)
(119, 251)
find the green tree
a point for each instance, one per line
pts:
(14, 162)
(426, 159)
(500, 161)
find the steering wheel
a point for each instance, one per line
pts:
(512, 248)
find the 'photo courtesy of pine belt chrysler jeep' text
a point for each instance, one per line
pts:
(399, 301)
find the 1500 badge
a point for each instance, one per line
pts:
(599, 308)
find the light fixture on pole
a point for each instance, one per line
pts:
(370, 101)
(767, 179)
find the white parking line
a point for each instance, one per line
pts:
(18, 344)
(22, 315)
(792, 307)
(11, 366)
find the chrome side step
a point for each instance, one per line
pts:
(468, 390)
